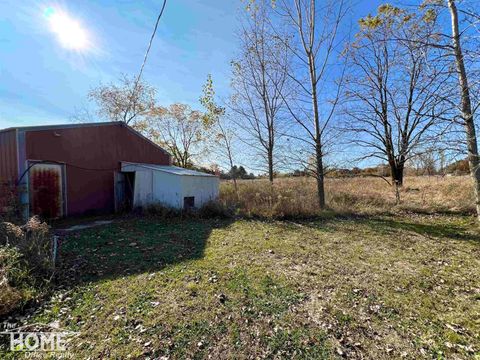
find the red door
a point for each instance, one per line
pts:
(46, 190)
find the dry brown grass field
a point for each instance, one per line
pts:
(296, 197)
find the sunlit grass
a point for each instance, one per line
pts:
(377, 287)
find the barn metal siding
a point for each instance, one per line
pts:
(8, 156)
(91, 155)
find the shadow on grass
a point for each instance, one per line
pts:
(140, 245)
(456, 228)
(439, 229)
(132, 246)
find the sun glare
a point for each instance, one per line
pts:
(69, 31)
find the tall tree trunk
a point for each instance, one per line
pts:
(467, 114)
(234, 176)
(319, 177)
(270, 165)
(400, 170)
(396, 174)
(318, 134)
(235, 185)
(396, 171)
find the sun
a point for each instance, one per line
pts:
(68, 30)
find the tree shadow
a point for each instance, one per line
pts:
(440, 230)
(132, 246)
(329, 223)
(459, 229)
(148, 244)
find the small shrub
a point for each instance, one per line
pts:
(160, 210)
(215, 209)
(10, 272)
(26, 264)
(34, 242)
(210, 209)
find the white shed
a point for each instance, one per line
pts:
(170, 185)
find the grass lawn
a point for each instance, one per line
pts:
(365, 287)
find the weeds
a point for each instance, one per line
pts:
(10, 271)
(295, 198)
(26, 264)
(211, 209)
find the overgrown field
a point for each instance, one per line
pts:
(373, 287)
(296, 197)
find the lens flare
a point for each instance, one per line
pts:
(68, 31)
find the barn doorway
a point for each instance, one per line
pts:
(124, 191)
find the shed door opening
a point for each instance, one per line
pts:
(46, 190)
(188, 202)
(124, 190)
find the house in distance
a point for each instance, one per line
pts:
(77, 169)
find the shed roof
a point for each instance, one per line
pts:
(175, 170)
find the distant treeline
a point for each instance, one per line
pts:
(459, 167)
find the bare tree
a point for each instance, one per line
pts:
(425, 163)
(223, 134)
(392, 110)
(467, 110)
(128, 101)
(180, 130)
(82, 114)
(462, 52)
(317, 42)
(259, 77)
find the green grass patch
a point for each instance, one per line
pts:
(361, 287)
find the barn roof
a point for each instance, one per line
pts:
(82, 125)
(61, 126)
(175, 170)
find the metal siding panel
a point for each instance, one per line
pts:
(167, 189)
(202, 188)
(143, 188)
(8, 156)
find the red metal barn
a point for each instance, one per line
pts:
(74, 169)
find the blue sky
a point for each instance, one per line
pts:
(41, 82)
